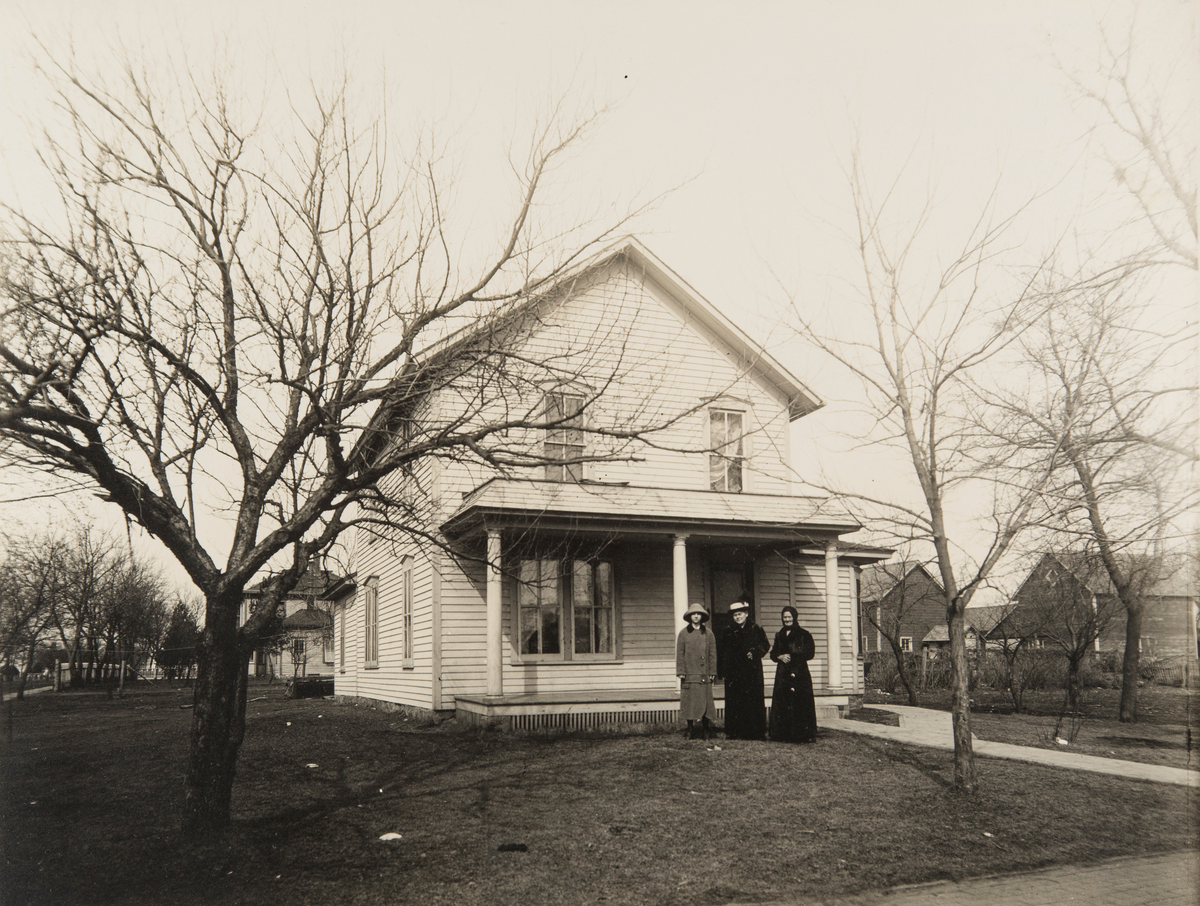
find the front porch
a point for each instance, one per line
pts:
(598, 708)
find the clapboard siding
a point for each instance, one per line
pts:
(649, 365)
(650, 362)
(647, 654)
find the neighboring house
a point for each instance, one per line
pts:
(1168, 617)
(978, 625)
(555, 598)
(302, 640)
(901, 598)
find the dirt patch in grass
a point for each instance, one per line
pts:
(91, 793)
(1166, 732)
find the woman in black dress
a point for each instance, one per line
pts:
(744, 646)
(793, 711)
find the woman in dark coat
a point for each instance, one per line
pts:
(793, 711)
(696, 667)
(744, 647)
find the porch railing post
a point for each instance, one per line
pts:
(679, 577)
(833, 617)
(495, 617)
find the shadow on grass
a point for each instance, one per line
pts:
(92, 789)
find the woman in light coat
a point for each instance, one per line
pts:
(696, 667)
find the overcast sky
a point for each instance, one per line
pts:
(754, 103)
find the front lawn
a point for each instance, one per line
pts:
(91, 791)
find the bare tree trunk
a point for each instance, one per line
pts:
(1129, 665)
(1074, 683)
(218, 722)
(965, 777)
(902, 669)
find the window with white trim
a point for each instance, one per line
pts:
(564, 439)
(906, 643)
(342, 637)
(371, 624)
(727, 450)
(406, 613)
(566, 609)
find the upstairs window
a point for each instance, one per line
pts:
(564, 439)
(726, 460)
(906, 643)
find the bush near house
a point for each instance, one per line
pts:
(1040, 669)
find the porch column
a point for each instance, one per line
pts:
(833, 617)
(495, 617)
(679, 575)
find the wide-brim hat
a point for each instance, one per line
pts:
(695, 608)
(737, 606)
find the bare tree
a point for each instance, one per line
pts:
(1147, 141)
(931, 322)
(230, 318)
(1102, 394)
(1065, 605)
(32, 586)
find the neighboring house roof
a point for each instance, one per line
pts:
(881, 578)
(315, 583)
(979, 620)
(587, 504)
(308, 619)
(1178, 579)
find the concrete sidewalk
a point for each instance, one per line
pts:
(926, 727)
(1164, 880)
(11, 696)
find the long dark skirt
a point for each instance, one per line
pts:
(745, 710)
(793, 711)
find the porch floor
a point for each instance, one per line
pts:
(589, 696)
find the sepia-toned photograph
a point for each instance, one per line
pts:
(599, 453)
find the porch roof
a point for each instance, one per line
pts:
(597, 506)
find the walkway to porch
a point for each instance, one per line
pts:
(599, 708)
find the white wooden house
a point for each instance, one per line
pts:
(558, 592)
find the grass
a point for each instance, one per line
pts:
(1166, 732)
(92, 788)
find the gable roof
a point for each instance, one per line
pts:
(315, 582)
(308, 619)
(881, 579)
(1177, 577)
(801, 400)
(977, 620)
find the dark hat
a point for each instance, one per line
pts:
(739, 605)
(695, 608)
